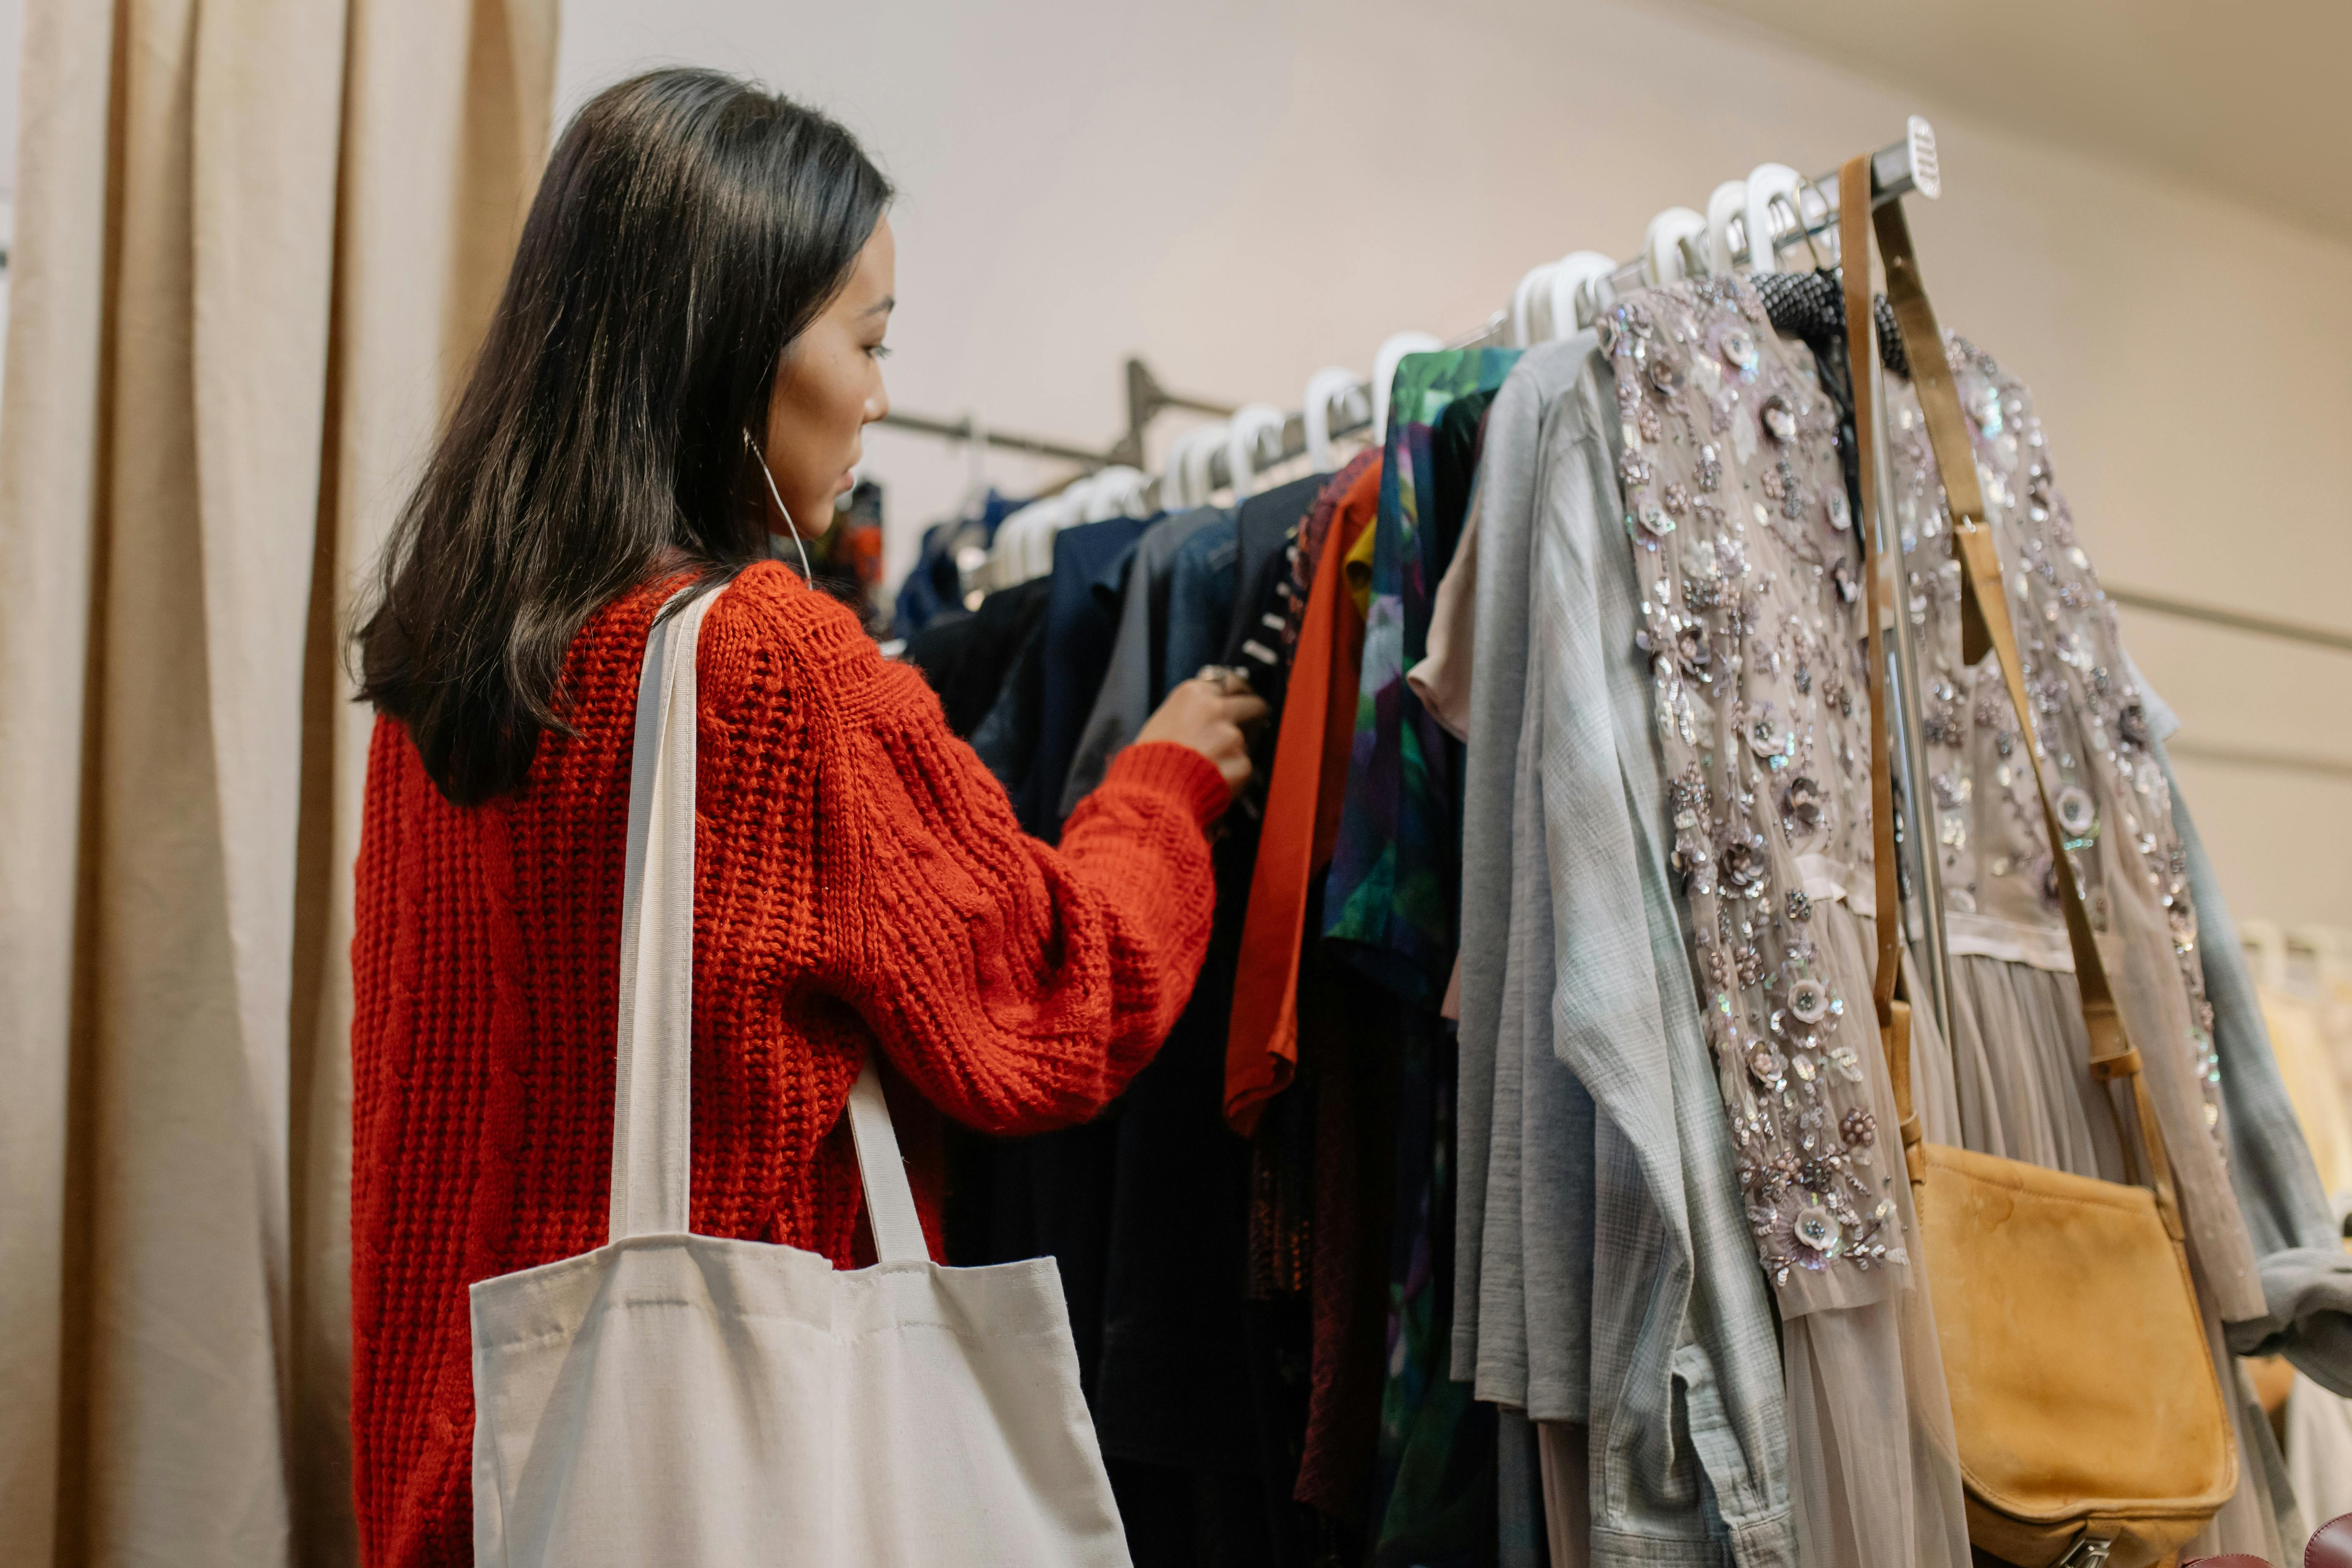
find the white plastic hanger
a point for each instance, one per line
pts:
(1075, 505)
(1251, 424)
(1728, 202)
(1532, 288)
(1115, 491)
(1056, 513)
(1324, 388)
(1200, 460)
(1767, 182)
(1009, 554)
(1175, 472)
(1186, 479)
(1662, 242)
(1384, 365)
(1171, 478)
(996, 572)
(1570, 275)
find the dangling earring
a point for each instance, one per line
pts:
(808, 578)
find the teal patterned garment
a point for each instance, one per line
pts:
(1434, 1475)
(1390, 901)
(1393, 872)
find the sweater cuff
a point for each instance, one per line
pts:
(1166, 768)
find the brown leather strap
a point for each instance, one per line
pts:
(2108, 1069)
(1985, 615)
(1894, 1012)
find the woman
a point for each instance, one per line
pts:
(681, 366)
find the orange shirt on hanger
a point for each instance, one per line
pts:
(1302, 817)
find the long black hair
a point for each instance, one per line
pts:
(689, 228)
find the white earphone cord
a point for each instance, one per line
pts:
(807, 576)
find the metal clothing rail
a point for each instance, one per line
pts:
(2187, 750)
(1146, 400)
(1352, 416)
(1897, 170)
(2236, 620)
(965, 429)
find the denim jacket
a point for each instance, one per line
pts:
(1604, 1272)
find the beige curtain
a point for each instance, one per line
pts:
(256, 241)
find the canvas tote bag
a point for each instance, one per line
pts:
(2091, 1426)
(683, 1400)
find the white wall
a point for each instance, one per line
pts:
(1242, 192)
(12, 29)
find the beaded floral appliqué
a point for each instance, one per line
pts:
(2111, 797)
(1737, 514)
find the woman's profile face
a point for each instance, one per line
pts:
(828, 389)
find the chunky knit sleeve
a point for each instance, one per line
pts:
(1016, 986)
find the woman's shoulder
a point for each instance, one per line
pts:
(772, 637)
(769, 641)
(768, 607)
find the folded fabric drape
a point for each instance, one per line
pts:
(256, 241)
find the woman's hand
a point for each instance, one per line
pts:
(1207, 713)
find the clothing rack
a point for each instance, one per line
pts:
(1901, 168)
(1897, 170)
(1146, 400)
(1288, 441)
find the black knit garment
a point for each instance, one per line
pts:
(1812, 306)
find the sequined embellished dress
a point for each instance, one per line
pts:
(1736, 511)
(2114, 804)
(2016, 1082)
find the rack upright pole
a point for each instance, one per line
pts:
(1918, 811)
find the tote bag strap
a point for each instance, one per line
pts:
(653, 1085)
(889, 1200)
(1985, 622)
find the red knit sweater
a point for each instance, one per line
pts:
(860, 881)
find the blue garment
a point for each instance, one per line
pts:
(1135, 591)
(1208, 576)
(1081, 624)
(1201, 587)
(934, 583)
(1266, 523)
(1006, 739)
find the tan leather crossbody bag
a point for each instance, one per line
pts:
(2092, 1427)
